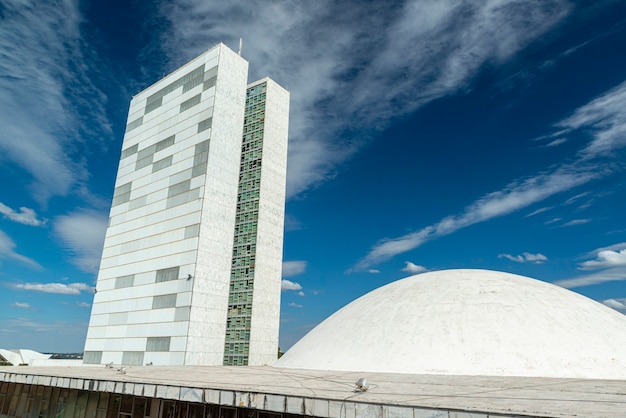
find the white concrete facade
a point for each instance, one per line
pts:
(163, 285)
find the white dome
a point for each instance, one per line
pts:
(468, 322)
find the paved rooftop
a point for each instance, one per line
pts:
(326, 393)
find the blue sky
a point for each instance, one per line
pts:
(424, 135)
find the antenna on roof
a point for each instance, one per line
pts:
(240, 45)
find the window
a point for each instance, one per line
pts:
(164, 301)
(161, 164)
(129, 151)
(124, 281)
(132, 358)
(134, 124)
(189, 103)
(179, 188)
(158, 344)
(168, 274)
(205, 124)
(167, 142)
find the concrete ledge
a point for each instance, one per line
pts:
(331, 394)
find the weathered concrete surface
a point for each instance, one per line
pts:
(332, 394)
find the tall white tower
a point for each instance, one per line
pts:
(169, 291)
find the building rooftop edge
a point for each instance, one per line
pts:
(296, 390)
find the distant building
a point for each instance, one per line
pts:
(191, 266)
(21, 356)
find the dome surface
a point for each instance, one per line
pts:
(468, 322)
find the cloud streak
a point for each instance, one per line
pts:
(609, 261)
(293, 268)
(413, 268)
(602, 119)
(289, 285)
(515, 196)
(60, 288)
(525, 258)
(7, 250)
(24, 216)
(45, 83)
(362, 67)
(82, 233)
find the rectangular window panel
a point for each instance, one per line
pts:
(161, 145)
(189, 103)
(183, 198)
(154, 104)
(137, 203)
(92, 357)
(161, 164)
(129, 151)
(164, 301)
(210, 73)
(209, 83)
(201, 147)
(192, 231)
(118, 200)
(121, 194)
(123, 189)
(144, 162)
(205, 124)
(124, 281)
(146, 152)
(193, 83)
(182, 313)
(168, 274)
(156, 99)
(158, 344)
(132, 358)
(198, 170)
(134, 124)
(179, 188)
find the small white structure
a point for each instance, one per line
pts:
(469, 322)
(21, 356)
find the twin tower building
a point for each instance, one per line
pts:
(191, 267)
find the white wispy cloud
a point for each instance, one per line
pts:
(357, 66)
(606, 259)
(294, 305)
(610, 261)
(618, 304)
(60, 288)
(576, 197)
(413, 268)
(575, 222)
(21, 305)
(293, 268)
(556, 142)
(48, 100)
(7, 250)
(82, 233)
(604, 119)
(373, 271)
(525, 258)
(24, 216)
(289, 285)
(517, 195)
(609, 275)
(538, 211)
